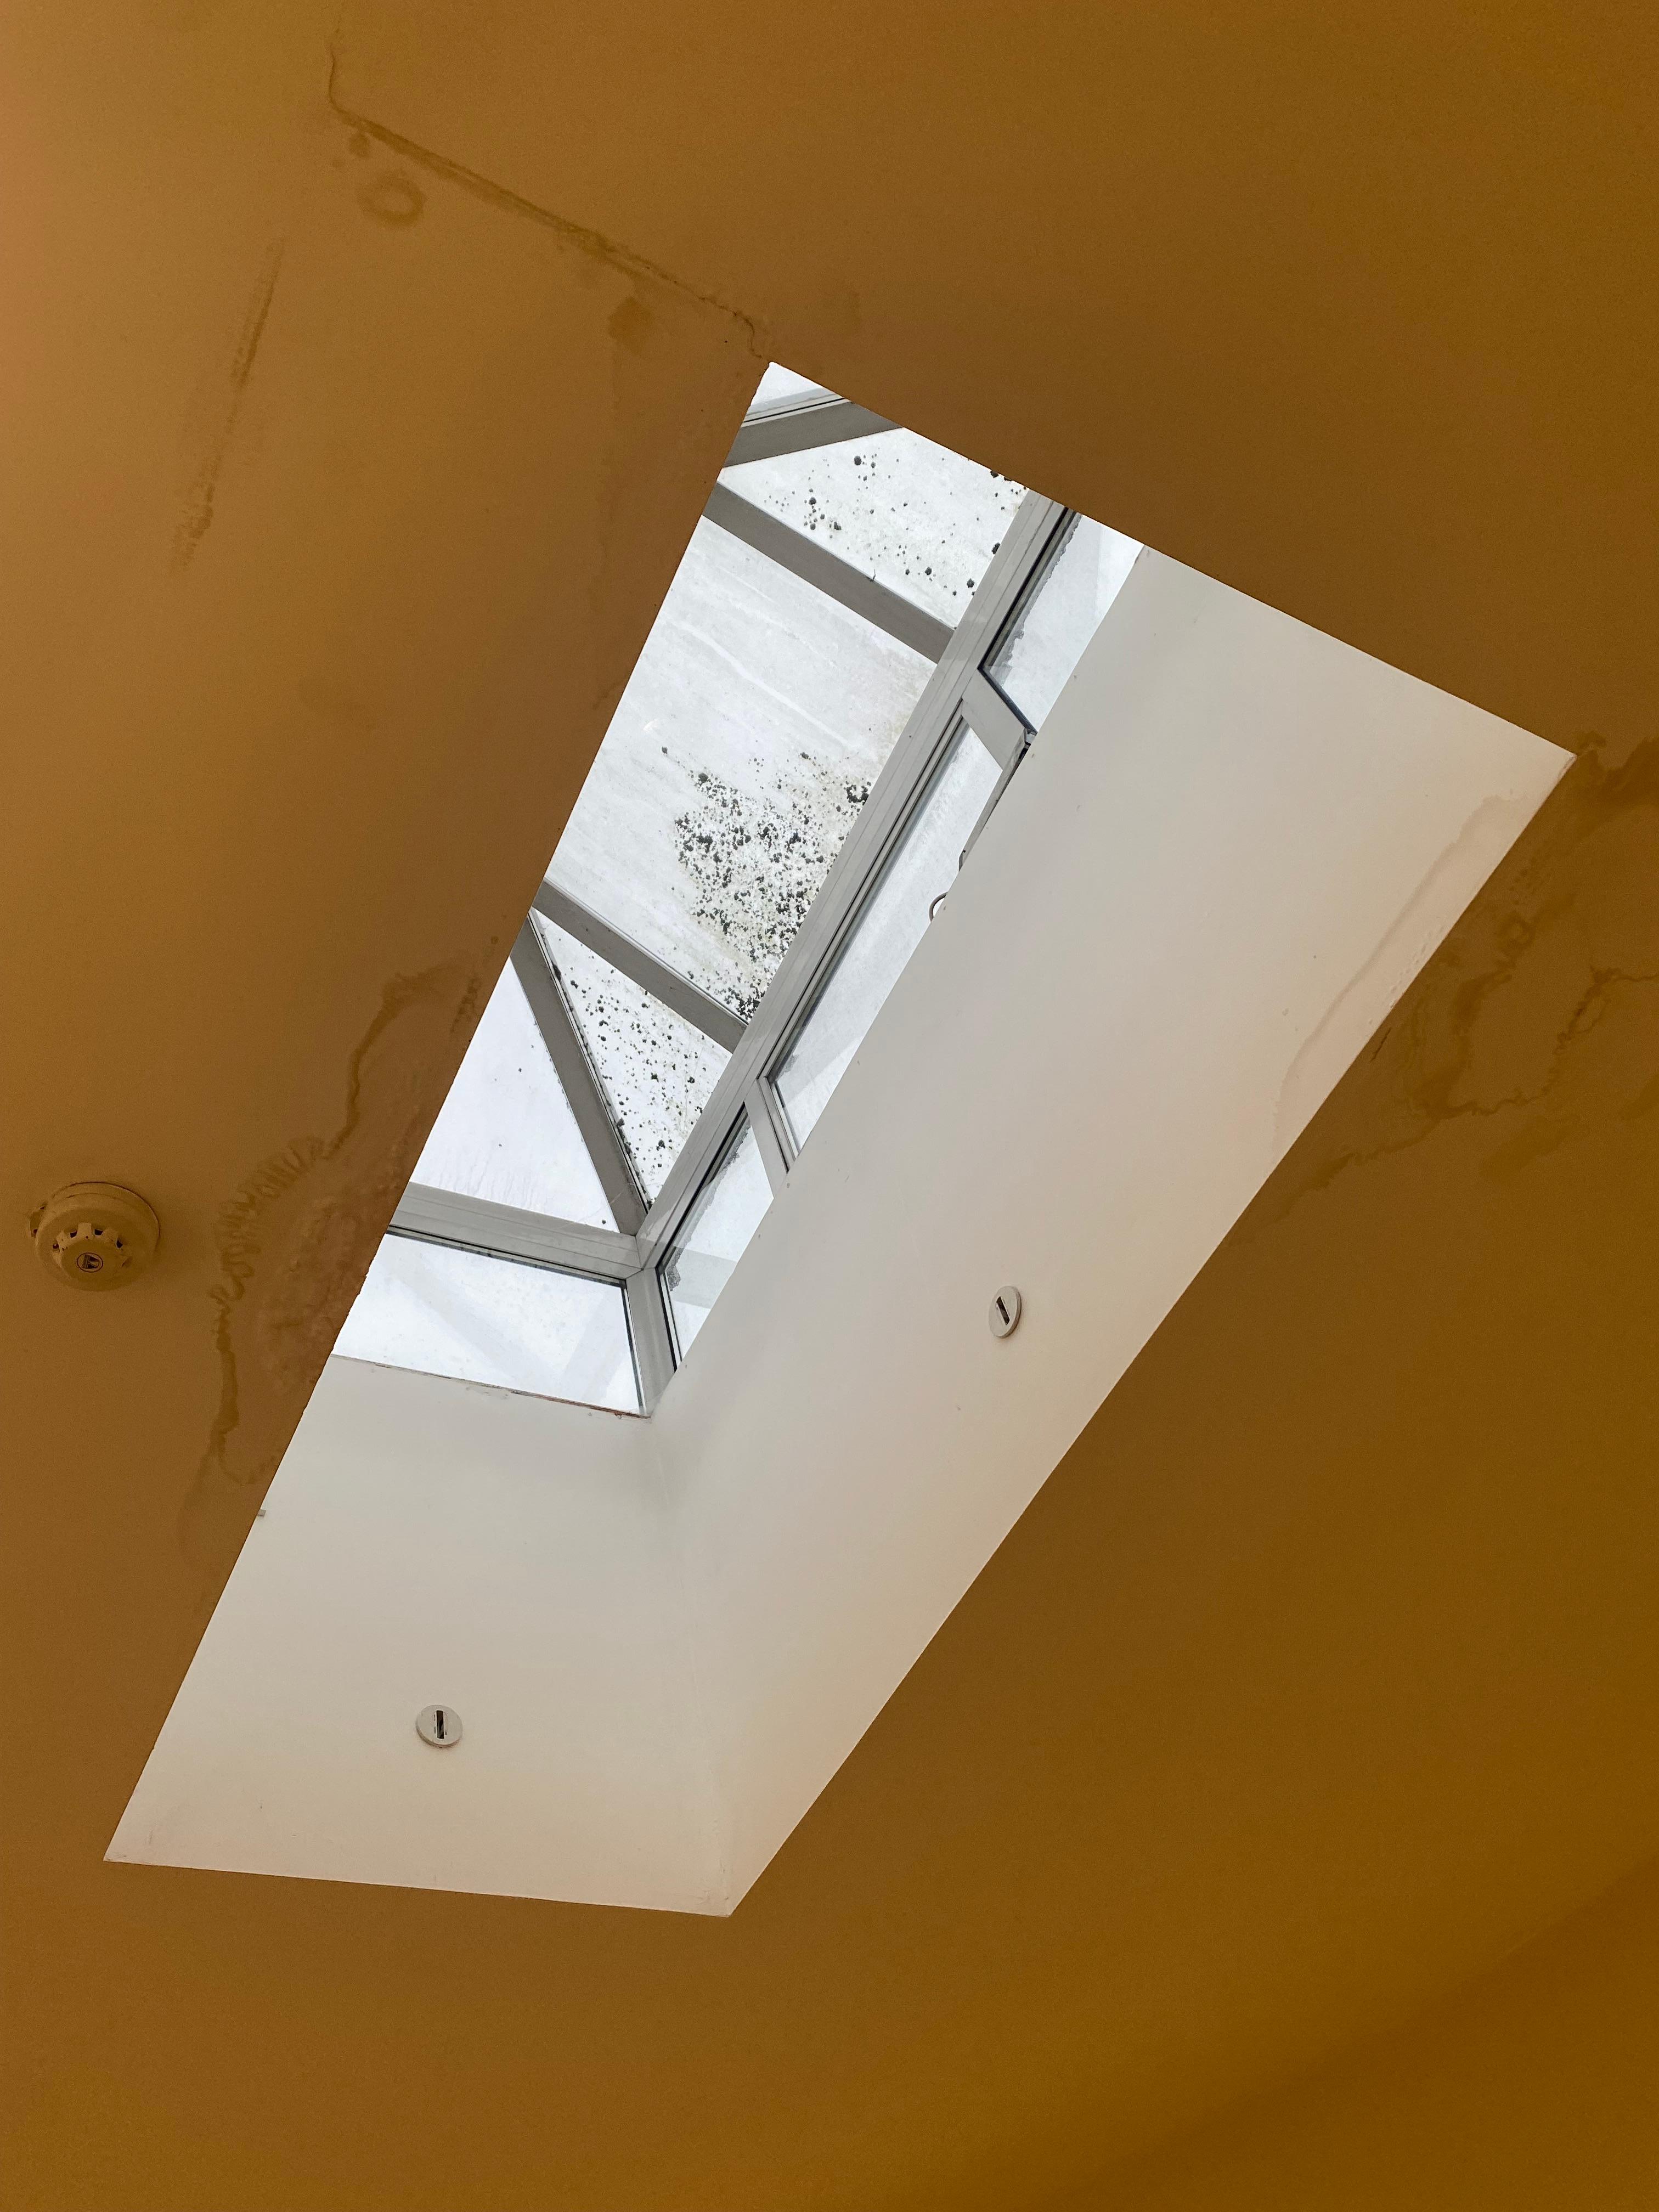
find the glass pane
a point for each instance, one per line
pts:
(748, 738)
(486, 1319)
(1044, 643)
(886, 934)
(917, 517)
(781, 383)
(723, 1216)
(657, 1070)
(506, 1132)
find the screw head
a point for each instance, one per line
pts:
(438, 1725)
(1006, 1310)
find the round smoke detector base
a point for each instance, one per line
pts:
(96, 1236)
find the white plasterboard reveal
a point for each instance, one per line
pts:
(430, 1542)
(1233, 847)
(1234, 844)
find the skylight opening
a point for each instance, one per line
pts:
(715, 1236)
(915, 517)
(506, 1131)
(865, 636)
(482, 1318)
(886, 933)
(656, 1070)
(753, 728)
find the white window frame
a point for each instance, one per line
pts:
(959, 695)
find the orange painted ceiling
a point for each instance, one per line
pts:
(363, 377)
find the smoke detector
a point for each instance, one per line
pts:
(96, 1236)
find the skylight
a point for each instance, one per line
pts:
(506, 1131)
(758, 718)
(917, 518)
(864, 635)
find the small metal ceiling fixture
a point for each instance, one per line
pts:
(438, 1725)
(1006, 1310)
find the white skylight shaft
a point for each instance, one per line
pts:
(848, 669)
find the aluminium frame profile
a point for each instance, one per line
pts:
(931, 727)
(838, 580)
(801, 423)
(484, 1225)
(579, 1079)
(429, 1216)
(762, 1109)
(630, 958)
(956, 696)
(650, 1333)
(1001, 729)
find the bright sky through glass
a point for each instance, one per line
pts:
(917, 518)
(715, 1236)
(1034, 662)
(757, 722)
(780, 383)
(506, 1132)
(656, 1070)
(486, 1319)
(758, 718)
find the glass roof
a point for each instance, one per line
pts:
(756, 721)
(886, 932)
(656, 1070)
(916, 517)
(486, 1320)
(506, 1132)
(780, 383)
(1035, 659)
(715, 1234)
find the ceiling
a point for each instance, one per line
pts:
(362, 382)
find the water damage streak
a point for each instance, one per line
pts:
(196, 518)
(1496, 1033)
(293, 1243)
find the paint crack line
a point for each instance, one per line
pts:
(581, 235)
